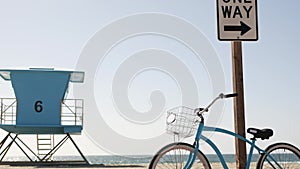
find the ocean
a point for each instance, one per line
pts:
(130, 159)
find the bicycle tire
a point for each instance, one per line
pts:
(175, 155)
(287, 155)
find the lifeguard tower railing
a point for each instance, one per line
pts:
(8, 111)
(71, 111)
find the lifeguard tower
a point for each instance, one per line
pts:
(40, 108)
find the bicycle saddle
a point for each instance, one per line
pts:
(262, 134)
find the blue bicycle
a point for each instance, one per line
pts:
(184, 122)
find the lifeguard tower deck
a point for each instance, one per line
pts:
(40, 108)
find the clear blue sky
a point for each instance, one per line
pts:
(54, 33)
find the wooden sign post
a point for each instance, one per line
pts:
(239, 110)
(237, 22)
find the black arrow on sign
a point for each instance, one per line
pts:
(244, 28)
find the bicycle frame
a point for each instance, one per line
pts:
(199, 136)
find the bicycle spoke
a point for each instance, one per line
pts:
(176, 156)
(280, 155)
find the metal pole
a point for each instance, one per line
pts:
(4, 140)
(239, 111)
(1, 111)
(22, 148)
(3, 153)
(28, 148)
(87, 162)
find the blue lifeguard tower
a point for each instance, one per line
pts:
(40, 108)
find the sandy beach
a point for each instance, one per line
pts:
(141, 166)
(74, 167)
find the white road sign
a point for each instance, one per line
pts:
(237, 20)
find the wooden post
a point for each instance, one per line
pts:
(239, 111)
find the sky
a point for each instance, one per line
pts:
(130, 79)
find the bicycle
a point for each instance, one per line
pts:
(185, 122)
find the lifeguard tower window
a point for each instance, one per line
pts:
(40, 105)
(77, 77)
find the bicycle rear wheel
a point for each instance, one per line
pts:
(175, 155)
(286, 155)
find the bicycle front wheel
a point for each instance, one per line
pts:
(286, 155)
(175, 155)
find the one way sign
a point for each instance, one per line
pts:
(237, 20)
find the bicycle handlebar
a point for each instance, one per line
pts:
(230, 95)
(200, 111)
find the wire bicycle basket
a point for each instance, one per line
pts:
(182, 122)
